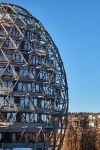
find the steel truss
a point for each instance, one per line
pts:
(33, 85)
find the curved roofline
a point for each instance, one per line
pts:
(22, 9)
(45, 30)
(13, 5)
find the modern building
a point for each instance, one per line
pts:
(33, 84)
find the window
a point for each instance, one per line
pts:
(27, 117)
(8, 84)
(28, 87)
(35, 117)
(35, 102)
(43, 104)
(20, 87)
(18, 57)
(31, 117)
(24, 72)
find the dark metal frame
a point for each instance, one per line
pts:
(33, 85)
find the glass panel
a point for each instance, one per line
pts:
(27, 117)
(20, 87)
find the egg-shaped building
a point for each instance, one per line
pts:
(33, 85)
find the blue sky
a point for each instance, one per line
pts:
(74, 25)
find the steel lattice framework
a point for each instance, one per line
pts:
(33, 85)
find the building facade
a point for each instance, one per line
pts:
(33, 84)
